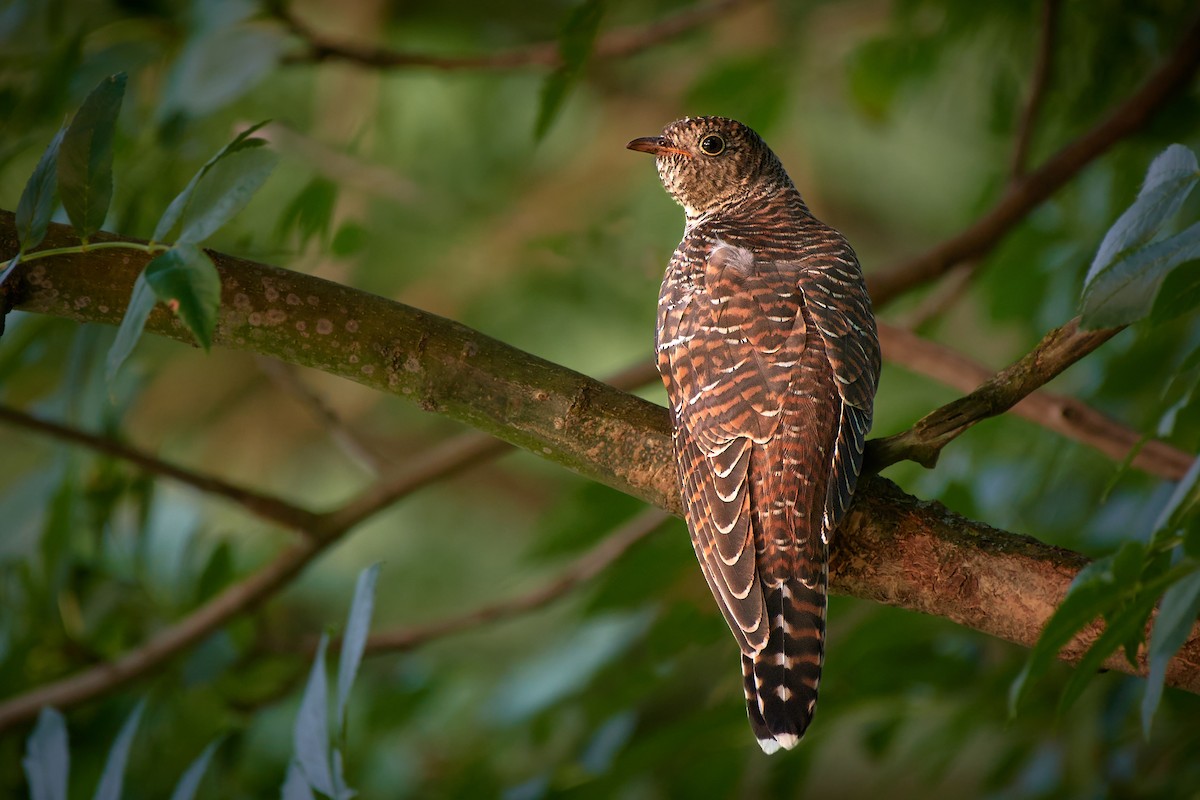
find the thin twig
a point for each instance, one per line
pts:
(1042, 70)
(615, 44)
(266, 506)
(586, 567)
(357, 450)
(1065, 415)
(1059, 349)
(1034, 187)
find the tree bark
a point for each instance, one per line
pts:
(892, 548)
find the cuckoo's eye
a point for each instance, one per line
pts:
(712, 145)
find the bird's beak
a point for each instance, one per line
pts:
(655, 145)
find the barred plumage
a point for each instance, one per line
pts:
(767, 345)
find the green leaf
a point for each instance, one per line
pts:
(1183, 502)
(85, 157)
(37, 200)
(1168, 182)
(1178, 295)
(1124, 624)
(575, 46)
(295, 787)
(1091, 594)
(1176, 617)
(224, 190)
(358, 626)
(141, 303)
(113, 778)
(170, 217)
(311, 212)
(190, 781)
(310, 734)
(1124, 291)
(186, 279)
(47, 758)
(219, 65)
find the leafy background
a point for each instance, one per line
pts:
(435, 187)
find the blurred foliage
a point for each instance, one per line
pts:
(896, 120)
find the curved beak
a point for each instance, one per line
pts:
(655, 145)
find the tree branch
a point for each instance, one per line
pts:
(262, 505)
(893, 548)
(1030, 190)
(1060, 413)
(923, 442)
(586, 567)
(615, 44)
(1042, 69)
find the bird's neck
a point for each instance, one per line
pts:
(779, 203)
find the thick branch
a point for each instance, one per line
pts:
(894, 548)
(1025, 194)
(615, 44)
(1065, 415)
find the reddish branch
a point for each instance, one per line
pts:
(1060, 413)
(1033, 188)
(615, 44)
(1059, 349)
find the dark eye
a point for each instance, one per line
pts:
(712, 145)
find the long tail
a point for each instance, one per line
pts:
(781, 680)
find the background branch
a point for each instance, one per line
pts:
(1042, 70)
(1032, 189)
(893, 548)
(614, 44)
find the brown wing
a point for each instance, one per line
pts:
(727, 353)
(841, 311)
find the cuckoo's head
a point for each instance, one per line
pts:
(712, 163)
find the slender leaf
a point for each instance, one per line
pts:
(190, 782)
(1176, 617)
(8, 269)
(1183, 501)
(47, 759)
(310, 735)
(358, 625)
(224, 191)
(37, 200)
(113, 778)
(295, 787)
(340, 790)
(1124, 291)
(186, 279)
(1124, 624)
(1168, 182)
(575, 46)
(1091, 595)
(1178, 295)
(85, 157)
(141, 303)
(170, 217)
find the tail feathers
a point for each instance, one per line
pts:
(781, 680)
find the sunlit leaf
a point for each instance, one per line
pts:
(189, 783)
(85, 158)
(113, 777)
(1124, 291)
(575, 46)
(186, 280)
(1168, 182)
(141, 303)
(37, 200)
(224, 190)
(47, 759)
(310, 734)
(1176, 617)
(295, 787)
(358, 627)
(170, 218)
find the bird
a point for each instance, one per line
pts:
(767, 345)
